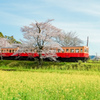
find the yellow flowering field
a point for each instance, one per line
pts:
(48, 86)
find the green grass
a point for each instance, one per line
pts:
(13, 65)
(73, 85)
(21, 80)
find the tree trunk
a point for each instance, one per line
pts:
(40, 59)
(1, 56)
(40, 62)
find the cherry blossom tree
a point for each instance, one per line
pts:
(41, 36)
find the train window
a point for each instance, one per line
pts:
(2, 51)
(52, 50)
(76, 50)
(85, 50)
(26, 50)
(31, 50)
(59, 50)
(9, 51)
(71, 50)
(81, 50)
(67, 50)
(63, 50)
(12, 51)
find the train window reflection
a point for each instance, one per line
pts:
(2, 51)
(72, 50)
(63, 50)
(81, 50)
(59, 50)
(85, 50)
(12, 51)
(9, 51)
(67, 50)
(77, 50)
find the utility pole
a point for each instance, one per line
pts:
(87, 40)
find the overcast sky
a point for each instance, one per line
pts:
(80, 16)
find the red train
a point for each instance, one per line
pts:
(68, 54)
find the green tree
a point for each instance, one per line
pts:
(11, 39)
(1, 35)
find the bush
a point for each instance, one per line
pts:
(79, 62)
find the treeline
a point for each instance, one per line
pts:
(10, 39)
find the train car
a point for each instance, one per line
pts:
(73, 53)
(67, 54)
(14, 53)
(7, 52)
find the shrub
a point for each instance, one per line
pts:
(79, 62)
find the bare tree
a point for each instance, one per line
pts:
(70, 39)
(40, 36)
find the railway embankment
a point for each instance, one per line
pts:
(16, 65)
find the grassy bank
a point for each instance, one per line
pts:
(32, 65)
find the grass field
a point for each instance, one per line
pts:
(72, 85)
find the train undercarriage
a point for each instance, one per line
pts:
(71, 59)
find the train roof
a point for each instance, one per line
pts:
(8, 47)
(62, 47)
(74, 46)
